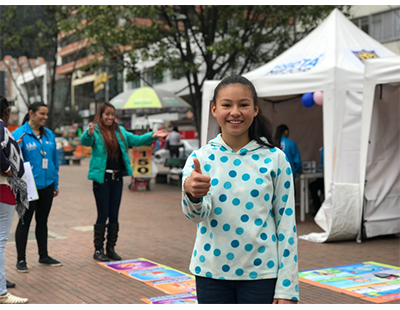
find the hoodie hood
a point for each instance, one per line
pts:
(252, 146)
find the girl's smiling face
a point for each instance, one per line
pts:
(234, 109)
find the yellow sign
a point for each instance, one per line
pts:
(99, 81)
(141, 161)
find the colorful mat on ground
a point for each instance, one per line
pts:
(371, 281)
(180, 286)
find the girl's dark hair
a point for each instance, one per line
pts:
(4, 105)
(278, 133)
(34, 107)
(261, 126)
(108, 133)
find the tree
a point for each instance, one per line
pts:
(32, 31)
(199, 42)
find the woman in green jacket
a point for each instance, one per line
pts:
(109, 163)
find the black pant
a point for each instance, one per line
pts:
(174, 151)
(317, 185)
(41, 208)
(108, 197)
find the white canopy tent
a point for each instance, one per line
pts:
(380, 148)
(330, 59)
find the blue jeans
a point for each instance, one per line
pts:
(6, 218)
(212, 291)
(108, 197)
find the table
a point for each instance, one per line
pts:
(304, 200)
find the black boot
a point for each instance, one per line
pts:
(99, 231)
(112, 236)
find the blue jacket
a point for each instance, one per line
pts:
(98, 161)
(289, 147)
(246, 223)
(32, 150)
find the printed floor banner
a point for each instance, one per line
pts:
(180, 286)
(370, 281)
(185, 298)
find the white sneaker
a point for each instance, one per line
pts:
(11, 299)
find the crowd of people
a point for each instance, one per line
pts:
(238, 188)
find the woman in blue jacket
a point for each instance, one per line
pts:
(109, 163)
(289, 147)
(38, 147)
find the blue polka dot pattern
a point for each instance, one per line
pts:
(239, 272)
(257, 262)
(249, 205)
(234, 243)
(236, 202)
(246, 217)
(227, 185)
(237, 162)
(253, 275)
(245, 177)
(232, 173)
(239, 231)
(254, 193)
(214, 182)
(248, 247)
(255, 157)
(226, 227)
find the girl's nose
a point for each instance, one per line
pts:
(235, 111)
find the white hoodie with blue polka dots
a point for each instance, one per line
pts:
(246, 223)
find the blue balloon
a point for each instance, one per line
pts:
(307, 100)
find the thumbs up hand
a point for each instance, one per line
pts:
(197, 184)
(91, 129)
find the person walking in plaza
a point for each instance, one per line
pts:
(239, 189)
(109, 163)
(174, 142)
(13, 195)
(289, 147)
(38, 147)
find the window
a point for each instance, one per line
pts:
(383, 27)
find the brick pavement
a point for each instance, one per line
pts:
(151, 226)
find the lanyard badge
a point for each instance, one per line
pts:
(45, 161)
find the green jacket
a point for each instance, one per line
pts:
(98, 161)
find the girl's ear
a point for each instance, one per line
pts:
(213, 108)
(31, 113)
(256, 110)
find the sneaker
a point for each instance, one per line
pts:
(21, 266)
(10, 284)
(11, 299)
(48, 261)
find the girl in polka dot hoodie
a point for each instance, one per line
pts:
(239, 190)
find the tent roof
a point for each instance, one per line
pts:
(385, 70)
(335, 44)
